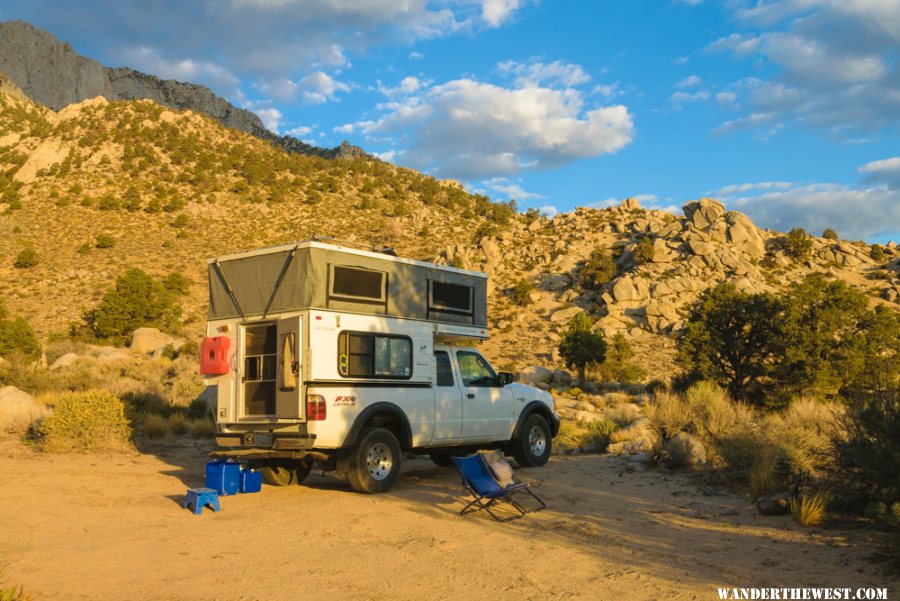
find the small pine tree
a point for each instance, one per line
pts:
(105, 241)
(599, 269)
(797, 244)
(643, 251)
(877, 253)
(581, 347)
(829, 234)
(136, 301)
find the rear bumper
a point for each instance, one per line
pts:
(266, 440)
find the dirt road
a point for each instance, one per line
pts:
(111, 527)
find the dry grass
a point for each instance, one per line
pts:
(178, 424)
(202, 428)
(805, 431)
(669, 414)
(154, 426)
(761, 475)
(623, 414)
(809, 510)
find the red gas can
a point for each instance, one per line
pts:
(214, 356)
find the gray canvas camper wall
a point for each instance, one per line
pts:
(314, 275)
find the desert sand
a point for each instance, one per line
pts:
(112, 527)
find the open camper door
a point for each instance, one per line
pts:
(288, 392)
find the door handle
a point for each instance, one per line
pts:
(470, 395)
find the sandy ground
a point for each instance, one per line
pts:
(111, 527)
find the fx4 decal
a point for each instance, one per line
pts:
(345, 401)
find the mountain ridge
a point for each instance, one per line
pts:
(53, 74)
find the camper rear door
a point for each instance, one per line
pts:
(288, 392)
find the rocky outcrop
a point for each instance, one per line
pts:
(151, 340)
(51, 73)
(18, 410)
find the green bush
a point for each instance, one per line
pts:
(618, 365)
(643, 251)
(176, 283)
(797, 244)
(599, 269)
(17, 335)
(520, 294)
(93, 420)
(829, 234)
(137, 301)
(877, 253)
(26, 259)
(105, 241)
(581, 348)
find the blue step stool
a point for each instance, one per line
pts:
(198, 498)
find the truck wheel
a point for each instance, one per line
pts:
(285, 473)
(375, 463)
(442, 459)
(532, 448)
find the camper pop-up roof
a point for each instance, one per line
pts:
(314, 275)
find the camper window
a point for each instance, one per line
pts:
(363, 355)
(453, 297)
(357, 284)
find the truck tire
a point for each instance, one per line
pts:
(284, 472)
(532, 448)
(375, 461)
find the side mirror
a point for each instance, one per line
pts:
(504, 378)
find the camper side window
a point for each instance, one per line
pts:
(365, 355)
(454, 298)
(355, 283)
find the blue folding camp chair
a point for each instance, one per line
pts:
(487, 492)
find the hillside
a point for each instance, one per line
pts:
(174, 188)
(51, 73)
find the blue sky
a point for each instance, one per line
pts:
(787, 110)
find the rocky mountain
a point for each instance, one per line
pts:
(164, 190)
(51, 73)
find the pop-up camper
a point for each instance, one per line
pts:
(329, 354)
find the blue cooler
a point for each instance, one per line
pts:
(223, 476)
(251, 480)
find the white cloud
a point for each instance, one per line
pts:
(388, 156)
(606, 90)
(555, 74)
(691, 81)
(835, 65)
(301, 131)
(468, 129)
(316, 88)
(271, 118)
(510, 189)
(408, 85)
(549, 211)
(416, 56)
(731, 191)
(150, 60)
(678, 99)
(681, 60)
(855, 212)
(496, 12)
(886, 171)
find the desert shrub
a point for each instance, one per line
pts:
(202, 428)
(742, 450)
(669, 414)
(93, 420)
(598, 435)
(198, 408)
(154, 426)
(761, 475)
(105, 241)
(804, 432)
(178, 424)
(581, 347)
(458, 262)
(623, 414)
(176, 283)
(599, 269)
(520, 294)
(137, 300)
(26, 259)
(829, 234)
(655, 386)
(877, 253)
(618, 365)
(16, 335)
(643, 251)
(797, 244)
(182, 220)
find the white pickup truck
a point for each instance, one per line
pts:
(321, 354)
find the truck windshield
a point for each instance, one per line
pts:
(475, 371)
